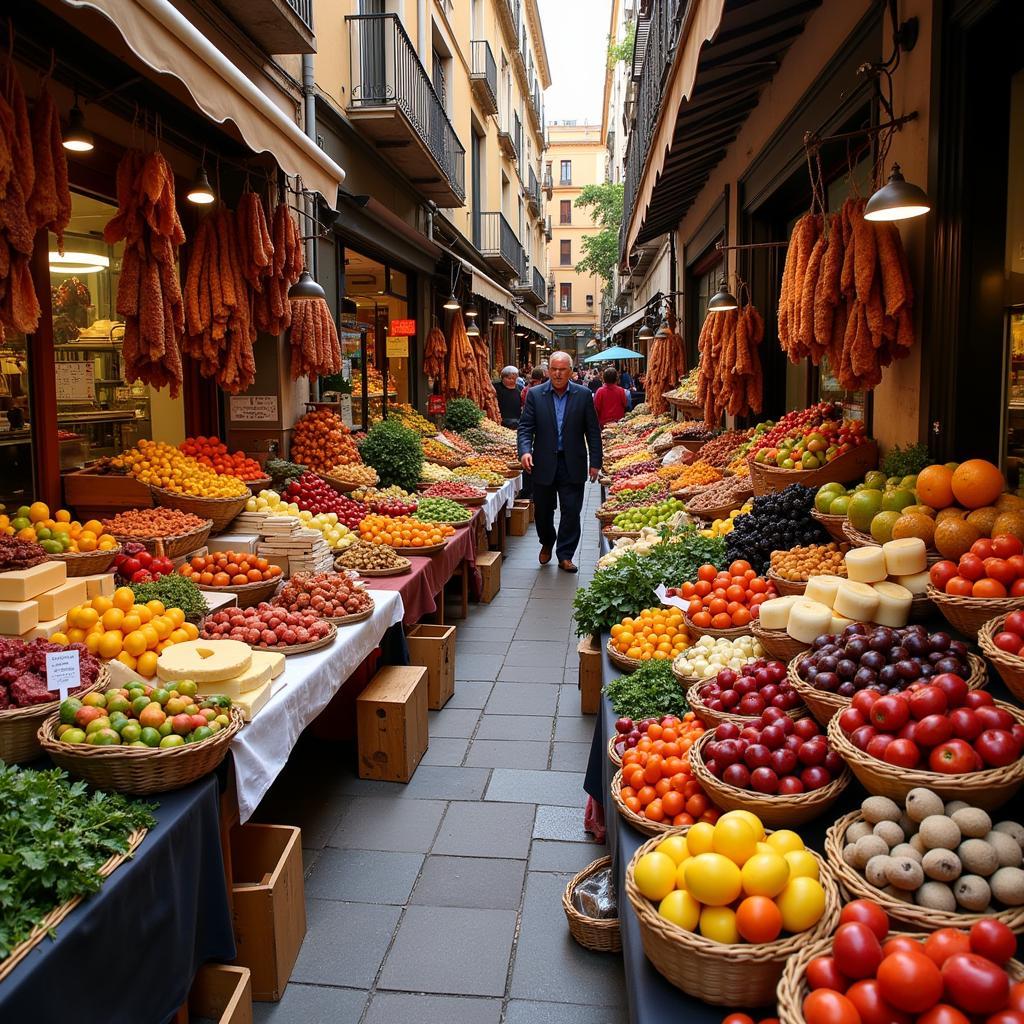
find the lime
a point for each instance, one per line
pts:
(864, 506)
(150, 737)
(202, 733)
(839, 506)
(187, 688)
(875, 479)
(882, 524)
(897, 500)
(51, 547)
(173, 741)
(161, 696)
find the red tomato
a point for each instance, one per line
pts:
(974, 984)
(1017, 590)
(1016, 997)
(942, 944)
(869, 913)
(857, 950)
(988, 588)
(1010, 642)
(903, 753)
(1000, 569)
(1006, 1017)
(866, 996)
(737, 1018)
(822, 972)
(823, 1006)
(982, 548)
(943, 1013)
(910, 981)
(955, 757)
(993, 940)
(707, 573)
(739, 567)
(1017, 563)
(971, 567)
(941, 573)
(960, 586)
(1005, 545)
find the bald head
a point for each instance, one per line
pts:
(559, 369)
(560, 359)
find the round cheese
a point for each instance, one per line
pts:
(839, 623)
(917, 583)
(808, 620)
(822, 589)
(905, 557)
(774, 614)
(856, 601)
(865, 565)
(204, 661)
(893, 604)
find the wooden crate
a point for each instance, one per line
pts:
(519, 520)
(391, 722)
(589, 652)
(221, 993)
(95, 495)
(433, 648)
(482, 540)
(532, 510)
(269, 904)
(489, 564)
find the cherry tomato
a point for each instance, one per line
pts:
(993, 940)
(822, 972)
(943, 1013)
(823, 1006)
(975, 984)
(942, 944)
(1006, 1017)
(857, 950)
(1016, 1001)
(873, 1009)
(910, 981)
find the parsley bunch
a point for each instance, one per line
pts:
(651, 691)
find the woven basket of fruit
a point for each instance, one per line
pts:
(613, 754)
(968, 614)
(261, 483)
(711, 717)
(345, 485)
(614, 534)
(841, 470)
(87, 563)
(161, 531)
(220, 511)
(138, 770)
(598, 934)
(777, 642)
(729, 634)
(621, 661)
(786, 587)
(775, 809)
(859, 539)
(793, 987)
(638, 821)
(905, 912)
(19, 726)
(1008, 629)
(731, 973)
(988, 788)
(834, 525)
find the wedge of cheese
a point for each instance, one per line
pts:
(24, 584)
(58, 601)
(18, 617)
(252, 701)
(253, 678)
(204, 661)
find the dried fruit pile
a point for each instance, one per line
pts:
(321, 441)
(730, 379)
(19, 554)
(454, 490)
(362, 556)
(265, 626)
(153, 522)
(23, 671)
(330, 595)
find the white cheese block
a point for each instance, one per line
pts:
(865, 565)
(839, 623)
(916, 584)
(204, 661)
(252, 701)
(18, 617)
(905, 557)
(99, 585)
(774, 614)
(59, 600)
(893, 604)
(46, 629)
(24, 584)
(857, 601)
(822, 589)
(254, 677)
(808, 620)
(275, 659)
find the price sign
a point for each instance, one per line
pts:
(254, 408)
(346, 410)
(76, 382)
(397, 348)
(404, 327)
(63, 672)
(346, 369)
(436, 405)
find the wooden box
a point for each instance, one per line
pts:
(589, 651)
(95, 495)
(433, 648)
(489, 564)
(519, 520)
(531, 510)
(221, 993)
(482, 540)
(269, 904)
(391, 722)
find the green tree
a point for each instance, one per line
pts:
(624, 49)
(601, 250)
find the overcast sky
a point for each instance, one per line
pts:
(576, 37)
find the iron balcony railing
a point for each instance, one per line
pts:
(533, 190)
(485, 69)
(517, 130)
(662, 39)
(538, 286)
(515, 9)
(495, 238)
(386, 71)
(304, 9)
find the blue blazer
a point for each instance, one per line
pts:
(538, 433)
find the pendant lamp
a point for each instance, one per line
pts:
(897, 199)
(200, 191)
(77, 138)
(723, 300)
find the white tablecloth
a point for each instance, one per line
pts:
(301, 692)
(504, 496)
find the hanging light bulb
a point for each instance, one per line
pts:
(451, 302)
(897, 199)
(77, 138)
(306, 288)
(200, 191)
(470, 311)
(472, 331)
(499, 318)
(723, 300)
(645, 333)
(663, 329)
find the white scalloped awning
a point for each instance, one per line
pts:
(169, 43)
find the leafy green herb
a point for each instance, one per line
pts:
(650, 690)
(395, 452)
(905, 461)
(462, 414)
(282, 472)
(175, 592)
(55, 835)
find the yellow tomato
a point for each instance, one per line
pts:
(176, 615)
(124, 598)
(698, 838)
(151, 635)
(713, 879)
(802, 864)
(162, 626)
(801, 904)
(144, 614)
(60, 638)
(113, 618)
(38, 511)
(102, 604)
(765, 874)
(719, 925)
(76, 636)
(131, 622)
(92, 641)
(785, 840)
(675, 847)
(63, 515)
(93, 526)
(681, 909)
(135, 642)
(156, 607)
(655, 875)
(86, 618)
(110, 644)
(750, 818)
(178, 636)
(192, 629)
(146, 664)
(126, 659)
(735, 839)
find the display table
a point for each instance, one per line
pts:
(500, 499)
(129, 952)
(301, 692)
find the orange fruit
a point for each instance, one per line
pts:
(146, 664)
(113, 619)
(110, 644)
(123, 598)
(954, 537)
(976, 483)
(1011, 522)
(135, 643)
(935, 486)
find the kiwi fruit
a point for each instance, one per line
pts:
(977, 857)
(972, 892)
(935, 896)
(906, 850)
(939, 832)
(923, 803)
(1006, 848)
(880, 808)
(876, 870)
(1014, 829)
(956, 805)
(973, 822)
(857, 830)
(904, 873)
(941, 865)
(1008, 886)
(870, 846)
(890, 832)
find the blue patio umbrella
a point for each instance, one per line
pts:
(611, 354)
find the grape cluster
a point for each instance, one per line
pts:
(777, 522)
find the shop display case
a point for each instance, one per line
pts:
(1013, 429)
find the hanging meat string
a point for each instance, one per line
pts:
(435, 348)
(729, 376)
(468, 373)
(666, 366)
(314, 338)
(271, 310)
(149, 295)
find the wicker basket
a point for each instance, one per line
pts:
(775, 811)
(968, 614)
(172, 547)
(638, 821)
(220, 511)
(909, 915)
(843, 470)
(729, 634)
(599, 934)
(793, 989)
(138, 770)
(18, 726)
(620, 661)
(343, 486)
(430, 549)
(987, 789)
(723, 975)
(720, 511)
(860, 539)
(833, 525)
(261, 483)
(86, 563)
(712, 718)
(613, 535)
(613, 754)
(777, 642)
(1009, 666)
(248, 594)
(786, 587)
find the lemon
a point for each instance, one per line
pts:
(675, 847)
(719, 925)
(680, 908)
(655, 875)
(785, 840)
(802, 864)
(801, 904)
(712, 878)
(698, 838)
(765, 874)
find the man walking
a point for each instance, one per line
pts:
(558, 429)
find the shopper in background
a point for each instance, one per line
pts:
(594, 381)
(626, 380)
(610, 400)
(509, 394)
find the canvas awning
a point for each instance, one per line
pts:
(165, 40)
(532, 323)
(627, 321)
(487, 288)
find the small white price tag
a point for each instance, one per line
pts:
(63, 672)
(661, 592)
(346, 369)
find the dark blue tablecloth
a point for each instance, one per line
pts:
(128, 954)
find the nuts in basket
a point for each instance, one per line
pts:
(362, 557)
(799, 564)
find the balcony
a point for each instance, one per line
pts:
(533, 194)
(530, 286)
(533, 105)
(547, 228)
(394, 103)
(511, 14)
(549, 186)
(517, 134)
(506, 137)
(484, 77)
(276, 26)
(498, 244)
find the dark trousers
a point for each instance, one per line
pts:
(568, 497)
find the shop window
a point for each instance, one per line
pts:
(565, 297)
(565, 173)
(565, 252)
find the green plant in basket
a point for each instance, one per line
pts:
(394, 452)
(462, 414)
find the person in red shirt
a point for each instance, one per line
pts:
(610, 401)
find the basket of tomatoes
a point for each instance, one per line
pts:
(251, 579)
(724, 602)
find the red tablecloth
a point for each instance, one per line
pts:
(430, 573)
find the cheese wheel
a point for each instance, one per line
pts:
(774, 614)
(905, 557)
(839, 623)
(857, 601)
(893, 604)
(916, 584)
(822, 589)
(808, 620)
(204, 661)
(865, 565)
